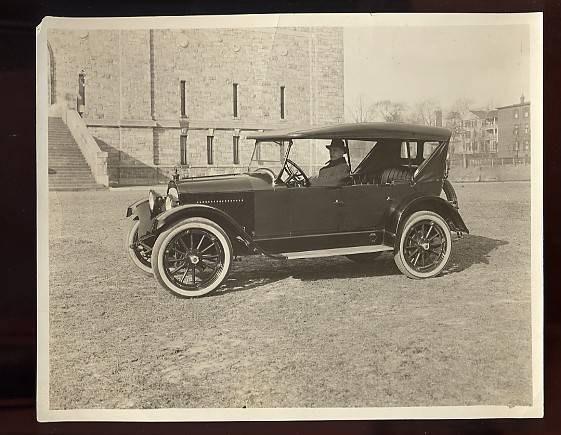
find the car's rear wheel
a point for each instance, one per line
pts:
(192, 258)
(367, 257)
(139, 252)
(425, 244)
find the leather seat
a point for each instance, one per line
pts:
(396, 173)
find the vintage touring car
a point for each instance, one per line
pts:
(391, 201)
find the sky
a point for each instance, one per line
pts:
(488, 64)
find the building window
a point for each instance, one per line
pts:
(183, 149)
(81, 92)
(209, 150)
(182, 92)
(526, 113)
(526, 129)
(236, 149)
(282, 102)
(526, 145)
(235, 99)
(516, 114)
(515, 130)
(516, 146)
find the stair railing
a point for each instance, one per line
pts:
(96, 159)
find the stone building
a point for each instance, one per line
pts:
(514, 132)
(159, 98)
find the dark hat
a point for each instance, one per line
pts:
(337, 143)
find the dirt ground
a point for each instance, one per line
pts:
(307, 333)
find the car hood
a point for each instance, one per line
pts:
(224, 183)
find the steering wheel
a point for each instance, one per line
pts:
(296, 176)
(268, 172)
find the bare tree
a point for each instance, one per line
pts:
(454, 121)
(491, 103)
(457, 113)
(424, 112)
(360, 111)
(389, 111)
(461, 105)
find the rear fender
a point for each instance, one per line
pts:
(399, 213)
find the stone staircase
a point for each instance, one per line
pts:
(68, 169)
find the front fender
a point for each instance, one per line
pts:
(399, 212)
(166, 219)
(132, 210)
(140, 210)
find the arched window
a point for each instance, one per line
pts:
(182, 91)
(282, 102)
(183, 158)
(81, 103)
(235, 100)
(52, 75)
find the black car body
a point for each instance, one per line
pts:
(391, 201)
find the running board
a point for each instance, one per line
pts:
(336, 251)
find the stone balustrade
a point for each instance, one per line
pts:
(96, 158)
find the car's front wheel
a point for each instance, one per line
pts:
(192, 258)
(424, 247)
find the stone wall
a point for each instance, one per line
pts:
(133, 105)
(96, 52)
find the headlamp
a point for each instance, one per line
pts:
(152, 199)
(172, 199)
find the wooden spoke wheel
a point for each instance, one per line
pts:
(192, 258)
(424, 245)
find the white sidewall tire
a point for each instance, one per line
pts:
(164, 238)
(132, 254)
(412, 220)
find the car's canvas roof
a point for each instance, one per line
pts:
(364, 131)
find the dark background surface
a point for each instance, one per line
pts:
(18, 20)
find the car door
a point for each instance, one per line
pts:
(296, 218)
(361, 207)
(313, 210)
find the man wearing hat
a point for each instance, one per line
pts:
(336, 171)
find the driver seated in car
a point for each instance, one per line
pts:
(336, 171)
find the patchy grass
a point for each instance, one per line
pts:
(306, 333)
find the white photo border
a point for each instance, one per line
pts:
(535, 23)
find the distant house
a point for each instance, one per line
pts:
(514, 130)
(477, 133)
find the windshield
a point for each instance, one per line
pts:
(359, 149)
(269, 155)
